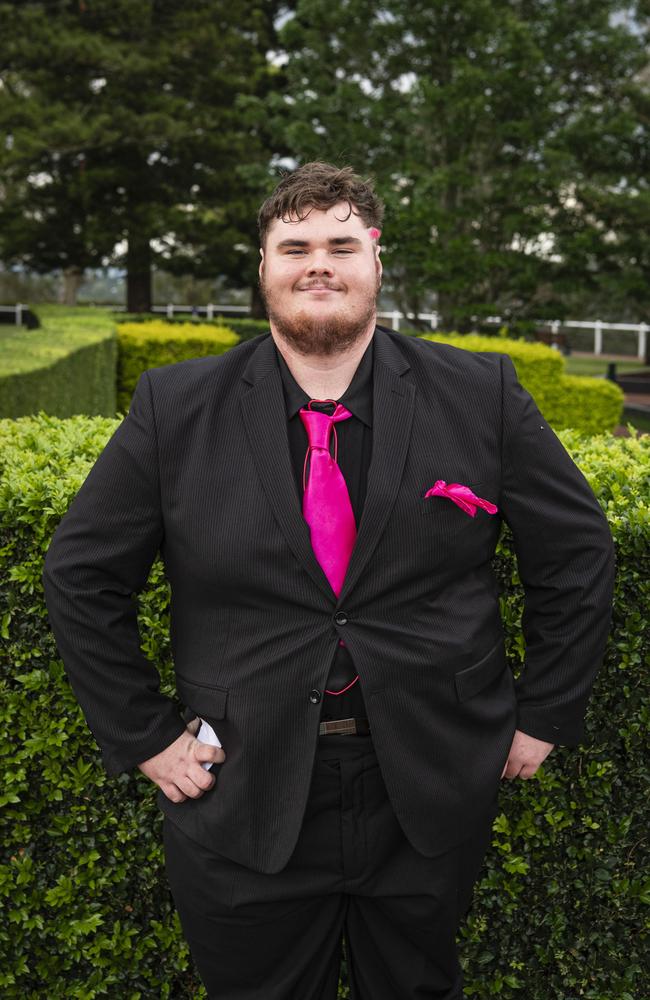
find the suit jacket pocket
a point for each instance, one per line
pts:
(473, 679)
(440, 504)
(204, 700)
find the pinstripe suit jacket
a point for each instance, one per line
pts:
(200, 470)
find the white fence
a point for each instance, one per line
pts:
(640, 329)
(432, 318)
(18, 310)
(555, 326)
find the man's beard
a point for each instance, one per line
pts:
(330, 335)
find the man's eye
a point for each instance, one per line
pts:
(291, 253)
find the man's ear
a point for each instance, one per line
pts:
(259, 270)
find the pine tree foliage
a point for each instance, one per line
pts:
(122, 124)
(496, 130)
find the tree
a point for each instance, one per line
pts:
(606, 225)
(123, 124)
(464, 113)
(226, 229)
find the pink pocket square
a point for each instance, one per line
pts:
(462, 497)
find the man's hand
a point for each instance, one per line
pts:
(526, 754)
(177, 769)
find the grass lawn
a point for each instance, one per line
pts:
(63, 329)
(8, 332)
(22, 350)
(593, 365)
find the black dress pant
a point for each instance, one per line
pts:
(255, 936)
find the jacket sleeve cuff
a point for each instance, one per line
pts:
(539, 723)
(121, 759)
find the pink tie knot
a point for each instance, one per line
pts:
(319, 425)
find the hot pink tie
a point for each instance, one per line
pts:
(326, 503)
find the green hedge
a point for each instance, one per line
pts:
(587, 404)
(67, 366)
(74, 364)
(246, 329)
(560, 906)
(590, 405)
(158, 342)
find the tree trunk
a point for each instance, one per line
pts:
(138, 273)
(257, 306)
(447, 321)
(72, 281)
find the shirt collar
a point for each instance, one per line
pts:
(357, 398)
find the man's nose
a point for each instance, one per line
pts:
(320, 263)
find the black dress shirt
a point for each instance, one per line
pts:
(353, 456)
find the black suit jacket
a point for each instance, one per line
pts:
(200, 470)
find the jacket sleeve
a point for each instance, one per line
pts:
(565, 557)
(99, 557)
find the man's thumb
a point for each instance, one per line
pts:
(194, 726)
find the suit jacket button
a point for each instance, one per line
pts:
(314, 696)
(341, 618)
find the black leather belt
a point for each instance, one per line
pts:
(347, 727)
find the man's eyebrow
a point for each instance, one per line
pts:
(339, 240)
(333, 241)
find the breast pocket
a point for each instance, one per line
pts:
(441, 505)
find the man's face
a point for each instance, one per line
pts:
(319, 279)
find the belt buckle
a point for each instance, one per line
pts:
(343, 727)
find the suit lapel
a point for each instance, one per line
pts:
(393, 404)
(265, 420)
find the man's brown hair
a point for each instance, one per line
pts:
(321, 186)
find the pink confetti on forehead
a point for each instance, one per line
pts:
(374, 233)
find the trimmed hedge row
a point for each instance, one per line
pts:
(159, 342)
(85, 360)
(559, 908)
(590, 405)
(68, 364)
(246, 329)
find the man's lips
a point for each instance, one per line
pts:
(319, 288)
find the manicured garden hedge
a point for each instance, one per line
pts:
(591, 405)
(67, 365)
(560, 910)
(159, 342)
(246, 329)
(74, 364)
(587, 404)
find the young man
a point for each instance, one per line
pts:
(327, 499)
